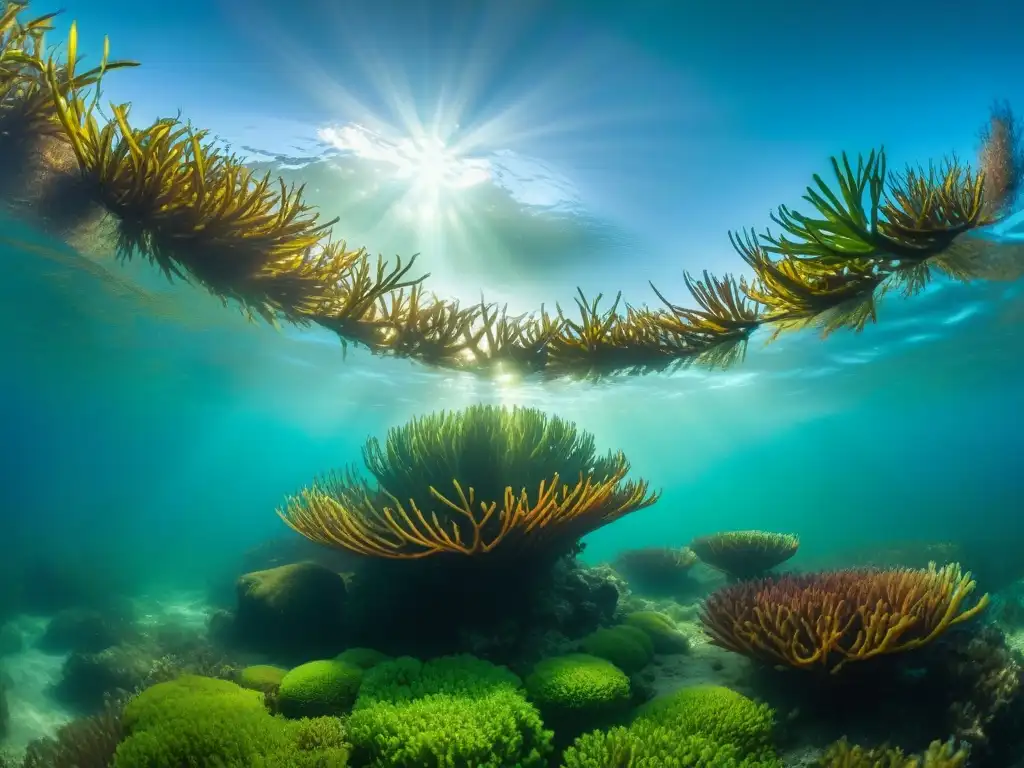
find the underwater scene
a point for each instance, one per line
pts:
(479, 384)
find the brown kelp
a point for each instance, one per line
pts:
(198, 213)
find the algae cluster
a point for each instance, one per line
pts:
(201, 215)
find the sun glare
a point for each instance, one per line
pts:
(446, 155)
(432, 172)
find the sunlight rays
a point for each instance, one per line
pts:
(436, 136)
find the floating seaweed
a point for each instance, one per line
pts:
(200, 214)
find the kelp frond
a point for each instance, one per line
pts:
(29, 98)
(927, 209)
(1001, 162)
(200, 214)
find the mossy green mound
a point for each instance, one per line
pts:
(194, 721)
(628, 648)
(661, 630)
(452, 711)
(698, 727)
(578, 684)
(716, 712)
(319, 688)
(655, 746)
(364, 658)
(262, 677)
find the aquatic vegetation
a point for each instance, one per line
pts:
(364, 658)
(829, 619)
(88, 742)
(716, 712)
(455, 710)
(696, 727)
(745, 554)
(319, 688)
(195, 719)
(654, 746)
(660, 629)
(628, 648)
(521, 480)
(656, 570)
(199, 213)
(261, 677)
(577, 685)
(938, 755)
(27, 108)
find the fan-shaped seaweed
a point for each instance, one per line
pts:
(745, 554)
(518, 479)
(200, 213)
(829, 619)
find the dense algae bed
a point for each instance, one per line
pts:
(467, 634)
(444, 619)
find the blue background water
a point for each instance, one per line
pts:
(146, 425)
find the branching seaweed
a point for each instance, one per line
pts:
(200, 214)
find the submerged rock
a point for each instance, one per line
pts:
(82, 630)
(296, 610)
(88, 678)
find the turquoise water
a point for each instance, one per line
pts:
(521, 152)
(161, 429)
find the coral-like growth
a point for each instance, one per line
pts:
(745, 554)
(455, 710)
(829, 619)
(938, 755)
(521, 480)
(657, 570)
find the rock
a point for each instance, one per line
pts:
(88, 678)
(83, 631)
(296, 610)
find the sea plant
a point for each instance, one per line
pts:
(198, 212)
(745, 554)
(455, 710)
(939, 754)
(657, 570)
(519, 479)
(824, 621)
(698, 727)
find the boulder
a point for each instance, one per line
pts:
(82, 630)
(297, 610)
